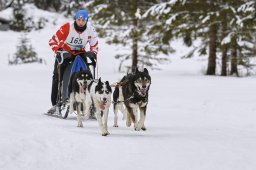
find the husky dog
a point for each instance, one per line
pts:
(135, 88)
(100, 93)
(78, 93)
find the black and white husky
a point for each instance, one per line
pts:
(100, 93)
(134, 96)
(78, 93)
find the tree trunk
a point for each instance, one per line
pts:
(212, 49)
(134, 54)
(224, 46)
(134, 37)
(224, 61)
(1, 5)
(234, 59)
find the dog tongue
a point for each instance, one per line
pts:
(143, 91)
(81, 90)
(102, 105)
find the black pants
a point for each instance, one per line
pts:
(55, 77)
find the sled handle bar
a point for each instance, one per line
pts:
(65, 54)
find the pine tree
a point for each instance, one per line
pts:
(122, 22)
(239, 36)
(215, 22)
(48, 4)
(181, 20)
(25, 52)
(5, 4)
(18, 24)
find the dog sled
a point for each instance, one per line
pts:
(76, 65)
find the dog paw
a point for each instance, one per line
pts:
(137, 127)
(80, 125)
(128, 124)
(105, 133)
(143, 128)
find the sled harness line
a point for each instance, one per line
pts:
(117, 84)
(132, 96)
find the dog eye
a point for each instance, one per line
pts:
(101, 92)
(107, 92)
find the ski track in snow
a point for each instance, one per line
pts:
(193, 122)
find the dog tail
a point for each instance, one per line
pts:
(116, 94)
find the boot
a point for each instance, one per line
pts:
(52, 110)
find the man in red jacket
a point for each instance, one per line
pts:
(72, 37)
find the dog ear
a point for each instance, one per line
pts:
(99, 80)
(108, 86)
(145, 70)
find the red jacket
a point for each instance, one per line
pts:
(69, 39)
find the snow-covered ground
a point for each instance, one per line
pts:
(194, 122)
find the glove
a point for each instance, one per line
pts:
(58, 57)
(59, 49)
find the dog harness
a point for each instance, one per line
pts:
(129, 98)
